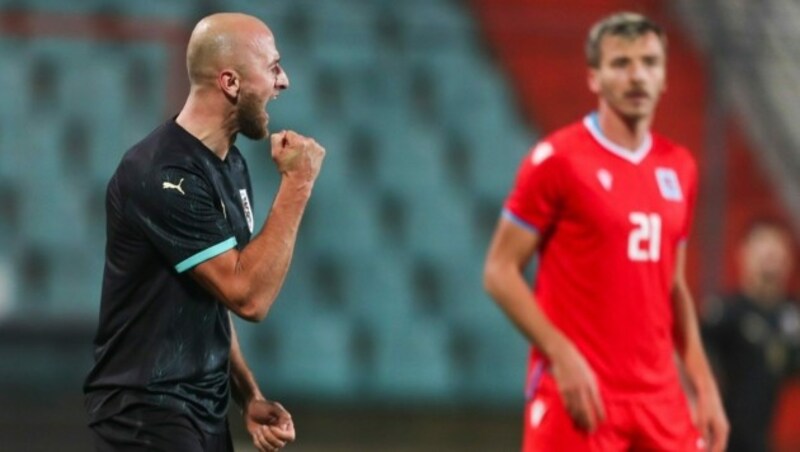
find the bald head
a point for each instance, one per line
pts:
(225, 40)
(234, 69)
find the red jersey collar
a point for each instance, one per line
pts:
(634, 156)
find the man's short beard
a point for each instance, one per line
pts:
(250, 117)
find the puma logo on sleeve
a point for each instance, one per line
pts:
(177, 186)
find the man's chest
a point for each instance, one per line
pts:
(644, 205)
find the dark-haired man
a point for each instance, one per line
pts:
(607, 204)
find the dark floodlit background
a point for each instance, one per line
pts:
(382, 338)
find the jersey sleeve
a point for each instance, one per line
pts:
(535, 199)
(179, 215)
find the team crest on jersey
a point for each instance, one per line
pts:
(605, 178)
(541, 152)
(538, 410)
(248, 210)
(668, 184)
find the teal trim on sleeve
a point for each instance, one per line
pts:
(206, 254)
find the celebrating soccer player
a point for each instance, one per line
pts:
(608, 204)
(179, 257)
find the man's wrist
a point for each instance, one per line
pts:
(296, 182)
(553, 343)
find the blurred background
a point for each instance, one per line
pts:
(382, 338)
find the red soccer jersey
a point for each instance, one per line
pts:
(610, 222)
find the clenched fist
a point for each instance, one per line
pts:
(296, 156)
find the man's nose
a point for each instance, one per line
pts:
(637, 71)
(283, 80)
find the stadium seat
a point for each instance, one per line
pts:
(75, 279)
(316, 359)
(53, 212)
(12, 116)
(342, 33)
(376, 289)
(492, 365)
(341, 220)
(413, 362)
(440, 227)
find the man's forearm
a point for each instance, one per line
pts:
(276, 238)
(264, 262)
(509, 290)
(244, 386)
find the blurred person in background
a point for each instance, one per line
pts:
(607, 204)
(180, 258)
(753, 334)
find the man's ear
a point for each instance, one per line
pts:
(592, 80)
(228, 81)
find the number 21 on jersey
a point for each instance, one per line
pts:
(644, 240)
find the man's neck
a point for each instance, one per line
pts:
(629, 134)
(198, 118)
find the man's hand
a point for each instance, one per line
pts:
(297, 156)
(711, 420)
(577, 385)
(269, 424)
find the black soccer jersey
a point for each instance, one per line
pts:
(162, 339)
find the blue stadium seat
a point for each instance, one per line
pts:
(109, 139)
(342, 221)
(377, 289)
(342, 33)
(503, 156)
(413, 362)
(433, 29)
(411, 161)
(13, 111)
(465, 302)
(315, 357)
(75, 280)
(53, 211)
(496, 372)
(378, 96)
(440, 228)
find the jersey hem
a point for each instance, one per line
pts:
(205, 255)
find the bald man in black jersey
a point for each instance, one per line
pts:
(180, 258)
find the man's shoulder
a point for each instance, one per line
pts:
(664, 145)
(160, 161)
(572, 136)
(559, 145)
(162, 148)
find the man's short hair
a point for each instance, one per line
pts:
(625, 24)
